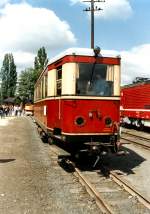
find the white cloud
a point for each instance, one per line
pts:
(23, 59)
(3, 2)
(25, 29)
(28, 28)
(135, 63)
(112, 9)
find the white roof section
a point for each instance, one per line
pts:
(83, 52)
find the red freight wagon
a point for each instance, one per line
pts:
(70, 107)
(135, 104)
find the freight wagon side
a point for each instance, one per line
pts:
(135, 104)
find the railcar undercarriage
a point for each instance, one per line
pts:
(93, 146)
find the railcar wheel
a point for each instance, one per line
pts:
(44, 137)
(114, 148)
(50, 140)
(141, 126)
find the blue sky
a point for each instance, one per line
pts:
(109, 34)
(121, 27)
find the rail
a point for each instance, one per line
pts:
(121, 182)
(135, 139)
(101, 202)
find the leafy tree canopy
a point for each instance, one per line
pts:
(40, 61)
(8, 77)
(27, 78)
(27, 81)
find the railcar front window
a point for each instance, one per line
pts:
(96, 80)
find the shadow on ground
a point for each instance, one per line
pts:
(6, 160)
(124, 163)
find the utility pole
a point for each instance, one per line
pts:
(92, 9)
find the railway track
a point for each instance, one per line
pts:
(136, 139)
(112, 194)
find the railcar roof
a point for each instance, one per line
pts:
(82, 52)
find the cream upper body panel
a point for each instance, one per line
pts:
(69, 78)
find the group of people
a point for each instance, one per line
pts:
(10, 110)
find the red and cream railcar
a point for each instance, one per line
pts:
(66, 107)
(135, 104)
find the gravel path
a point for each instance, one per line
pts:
(31, 181)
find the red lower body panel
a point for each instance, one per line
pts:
(78, 116)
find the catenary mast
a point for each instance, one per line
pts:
(92, 9)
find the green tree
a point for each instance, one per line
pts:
(8, 76)
(29, 76)
(40, 61)
(27, 81)
(140, 79)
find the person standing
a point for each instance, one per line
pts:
(99, 86)
(1, 111)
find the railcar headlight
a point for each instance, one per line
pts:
(80, 121)
(108, 121)
(90, 115)
(97, 51)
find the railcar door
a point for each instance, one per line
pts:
(58, 96)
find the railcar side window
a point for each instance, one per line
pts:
(96, 80)
(59, 80)
(40, 90)
(42, 87)
(46, 85)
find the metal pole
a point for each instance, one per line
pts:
(92, 24)
(92, 10)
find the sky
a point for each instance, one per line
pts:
(121, 27)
